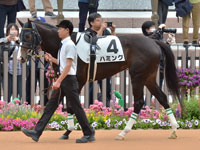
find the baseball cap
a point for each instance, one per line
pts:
(65, 24)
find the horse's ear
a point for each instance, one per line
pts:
(20, 22)
(29, 22)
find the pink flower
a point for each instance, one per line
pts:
(17, 101)
(2, 102)
(109, 109)
(96, 102)
(10, 105)
(26, 103)
(91, 106)
(117, 112)
(165, 118)
(147, 107)
(60, 106)
(100, 104)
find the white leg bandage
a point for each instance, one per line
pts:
(129, 125)
(172, 119)
(70, 119)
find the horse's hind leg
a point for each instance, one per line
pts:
(162, 98)
(137, 87)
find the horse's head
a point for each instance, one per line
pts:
(30, 39)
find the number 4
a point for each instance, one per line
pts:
(112, 47)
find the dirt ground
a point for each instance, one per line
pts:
(135, 140)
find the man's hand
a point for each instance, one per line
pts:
(112, 28)
(56, 85)
(48, 57)
(162, 26)
(103, 26)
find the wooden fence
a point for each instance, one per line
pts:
(120, 82)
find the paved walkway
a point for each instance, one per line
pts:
(135, 140)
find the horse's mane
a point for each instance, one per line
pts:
(46, 25)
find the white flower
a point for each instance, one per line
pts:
(158, 121)
(196, 123)
(107, 121)
(62, 122)
(108, 125)
(146, 120)
(94, 124)
(124, 120)
(120, 123)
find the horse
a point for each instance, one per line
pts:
(142, 58)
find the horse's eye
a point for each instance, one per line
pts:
(27, 37)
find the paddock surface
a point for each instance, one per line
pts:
(135, 140)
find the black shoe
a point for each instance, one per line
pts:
(31, 133)
(194, 43)
(34, 15)
(50, 14)
(185, 44)
(86, 139)
(65, 136)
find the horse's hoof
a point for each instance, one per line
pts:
(119, 138)
(173, 135)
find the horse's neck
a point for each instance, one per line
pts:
(50, 41)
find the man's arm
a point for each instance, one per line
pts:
(64, 73)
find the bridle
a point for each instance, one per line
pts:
(35, 42)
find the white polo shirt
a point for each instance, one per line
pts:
(68, 50)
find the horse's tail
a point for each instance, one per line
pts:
(170, 69)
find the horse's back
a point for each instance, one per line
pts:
(140, 46)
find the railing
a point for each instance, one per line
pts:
(120, 82)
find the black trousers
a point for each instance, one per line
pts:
(9, 12)
(83, 12)
(69, 88)
(162, 12)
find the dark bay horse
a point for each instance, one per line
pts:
(142, 58)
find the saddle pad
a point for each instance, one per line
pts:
(110, 49)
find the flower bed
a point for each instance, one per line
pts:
(13, 117)
(189, 78)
